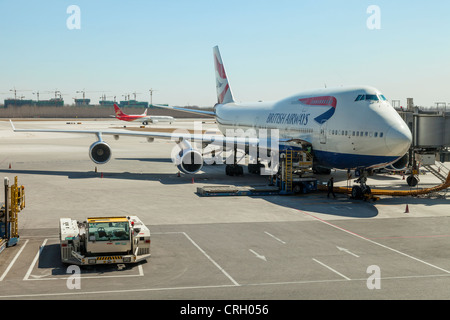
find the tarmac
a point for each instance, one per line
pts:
(301, 247)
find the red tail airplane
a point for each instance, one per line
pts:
(144, 118)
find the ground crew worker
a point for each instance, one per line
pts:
(330, 186)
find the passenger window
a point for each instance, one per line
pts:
(376, 134)
(381, 134)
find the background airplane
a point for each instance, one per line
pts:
(144, 118)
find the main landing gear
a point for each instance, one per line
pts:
(234, 169)
(362, 190)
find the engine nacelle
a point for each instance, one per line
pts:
(100, 152)
(189, 161)
(400, 164)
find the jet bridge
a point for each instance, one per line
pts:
(431, 140)
(430, 149)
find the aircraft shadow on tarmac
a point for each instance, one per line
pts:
(166, 160)
(164, 178)
(312, 204)
(214, 175)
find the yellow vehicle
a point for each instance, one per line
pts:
(9, 214)
(104, 240)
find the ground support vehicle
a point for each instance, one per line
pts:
(104, 240)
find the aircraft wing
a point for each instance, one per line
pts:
(198, 111)
(179, 135)
(176, 136)
(188, 160)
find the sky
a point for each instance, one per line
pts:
(271, 48)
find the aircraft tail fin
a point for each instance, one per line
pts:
(118, 111)
(224, 94)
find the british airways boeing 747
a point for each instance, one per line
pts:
(347, 127)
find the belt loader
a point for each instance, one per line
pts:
(104, 240)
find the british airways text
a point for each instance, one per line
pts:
(288, 118)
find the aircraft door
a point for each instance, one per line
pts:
(323, 133)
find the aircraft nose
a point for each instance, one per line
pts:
(398, 140)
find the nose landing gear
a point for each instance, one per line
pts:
(361, 191)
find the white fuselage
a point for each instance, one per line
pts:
(348, 127)
(154, 119)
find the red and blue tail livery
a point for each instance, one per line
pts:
(224, 94)
(329, 102)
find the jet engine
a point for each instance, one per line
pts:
(100, 152)
(189, 161)
(400, 164)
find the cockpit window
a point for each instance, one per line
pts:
(372, 97)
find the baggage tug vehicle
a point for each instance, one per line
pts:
(104, 240)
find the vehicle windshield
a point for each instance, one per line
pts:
(109, 231)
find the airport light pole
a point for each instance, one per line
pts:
(151, 96)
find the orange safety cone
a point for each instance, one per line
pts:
(192, 179)
(10, 165)
(407, 209)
